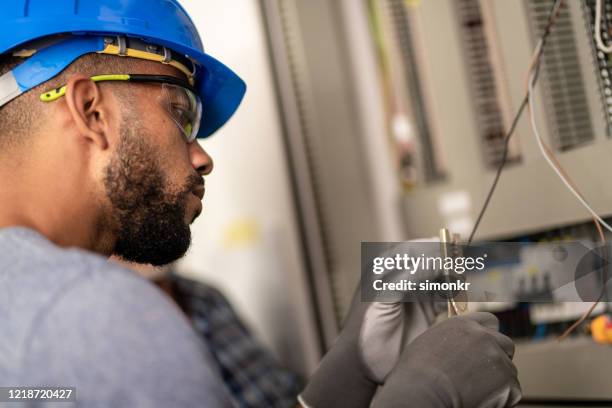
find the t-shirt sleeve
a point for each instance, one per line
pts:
(121, 343)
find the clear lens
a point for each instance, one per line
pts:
(185, 109)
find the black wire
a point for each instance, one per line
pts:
(551, 20)
(499, 169)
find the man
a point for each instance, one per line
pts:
(101, 102)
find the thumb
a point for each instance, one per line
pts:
(381, 338)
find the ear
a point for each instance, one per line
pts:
(88, 110)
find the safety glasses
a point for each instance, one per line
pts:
(178, 97)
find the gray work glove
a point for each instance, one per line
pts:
(367, 349)
(462, 362)
(363, 355)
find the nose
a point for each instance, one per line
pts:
(200, 160)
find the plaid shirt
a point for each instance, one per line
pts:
(251, 374)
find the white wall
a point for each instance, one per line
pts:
(246, 241)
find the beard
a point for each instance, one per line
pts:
(149, 216)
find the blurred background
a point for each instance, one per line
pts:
(384, 120)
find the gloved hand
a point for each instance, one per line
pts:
(367, 348)
(462, 362)
(363, 355)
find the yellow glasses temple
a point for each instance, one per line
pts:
(57, 93)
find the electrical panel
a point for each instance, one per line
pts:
(437, 83)
(476, 54)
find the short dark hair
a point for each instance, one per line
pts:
(13, 116)
(25, 113)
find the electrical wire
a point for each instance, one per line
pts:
(565, 178)
(598, 40)
(547, 153)
(532, 75)
(500, 168)
(534, 63)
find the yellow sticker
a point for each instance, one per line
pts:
(241, 233)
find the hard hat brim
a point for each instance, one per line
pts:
(221, 91)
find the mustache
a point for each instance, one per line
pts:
(193, 182)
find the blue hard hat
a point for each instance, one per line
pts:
(160, 22)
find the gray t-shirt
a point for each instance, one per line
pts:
(70, 318)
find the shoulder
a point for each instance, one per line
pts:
(102, 297)
(102, 328)
(51, 275)
(115, 336)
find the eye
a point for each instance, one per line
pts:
(183, 118)
(178, 109)
(181, 114)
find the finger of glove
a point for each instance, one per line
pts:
(504, 342)
(511, 367)
(494, 382)
(471, 333)
(419, 317)
(507, 397)
(491, 325)
(516, 394)
(485, 319)
(380, 338)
